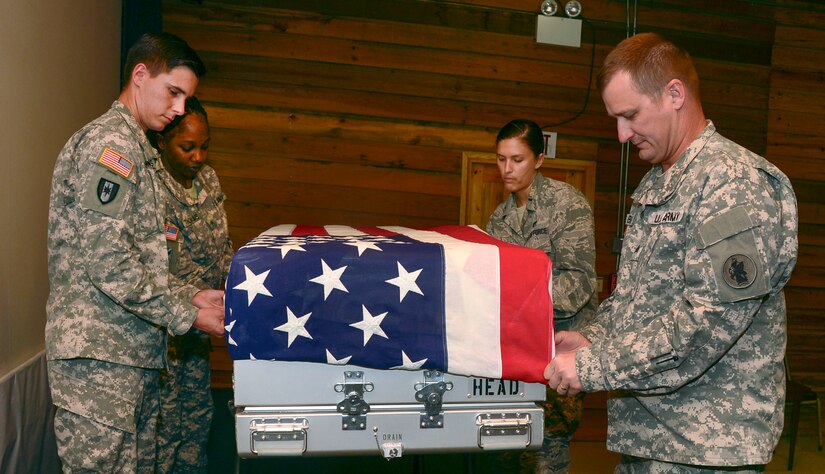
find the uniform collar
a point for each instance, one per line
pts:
(152, 159)
(177, 190)
(511, 216)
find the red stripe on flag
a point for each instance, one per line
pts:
(526, 312)
(303, 230)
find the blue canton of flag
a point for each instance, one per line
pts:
(338, 300)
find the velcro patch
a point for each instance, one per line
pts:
(116, 162)
(739, 271)
(106, 190)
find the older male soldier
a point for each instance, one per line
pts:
(693, 337)
(110, 302)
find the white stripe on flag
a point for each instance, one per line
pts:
(472, 303)
(283, 229)
(342, 230)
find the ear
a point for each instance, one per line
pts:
(539, 161)
(675, 92)
(139, 74)
(161, 140)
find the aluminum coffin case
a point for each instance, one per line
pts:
(312, 409)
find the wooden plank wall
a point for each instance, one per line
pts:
(796, 143)
(357, 111)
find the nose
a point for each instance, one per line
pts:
(624, 130)
(508, 166)
(179, 105)
(199, 156)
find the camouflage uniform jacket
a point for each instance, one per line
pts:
(197, 234)
(110, 295)
(558, 221)
(694, 334)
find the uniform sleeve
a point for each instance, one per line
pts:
(228, 249)
(595, 328)
(211, 232)
(496, 221)
(731, 244)
(574, 258)
(123, 259)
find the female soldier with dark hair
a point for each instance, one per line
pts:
(200, 251)
(552, 216)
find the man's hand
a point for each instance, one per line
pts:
(208, 299)
(570, 341)
(210, 313)
(561, 371)
(210, 320)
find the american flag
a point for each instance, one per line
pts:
(116, 162)
(450, 298)
(170, 231)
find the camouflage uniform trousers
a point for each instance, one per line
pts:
(186, 405)
(561, 419)
(636, 465)
(106, 416)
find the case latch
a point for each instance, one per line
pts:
(430, 392)
(353, 407)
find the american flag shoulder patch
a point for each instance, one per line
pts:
(171, 232)
(116, 162)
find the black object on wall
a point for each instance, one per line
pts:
(136, 18)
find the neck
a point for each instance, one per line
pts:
(127, 97)
(521, 197)
(693, 123)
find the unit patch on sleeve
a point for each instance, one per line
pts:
(739, 271)
(116, 162)
(106, 191)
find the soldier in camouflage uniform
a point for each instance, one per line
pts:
(197, 239)
(693, 338)
(111, 300)
(555, 217)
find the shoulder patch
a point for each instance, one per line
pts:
(171, 232)
(739, 271)
(116, 162)
(106, 191)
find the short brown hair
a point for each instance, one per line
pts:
(652, 61)
(161, 52)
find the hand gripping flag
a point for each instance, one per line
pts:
(449, 298)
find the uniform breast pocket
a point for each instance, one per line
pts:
(173, 252)
(665, 259)
(541, 240)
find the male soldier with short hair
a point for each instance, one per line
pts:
(111, 302)
(693, 337)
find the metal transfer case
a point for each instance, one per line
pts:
(312, 409)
